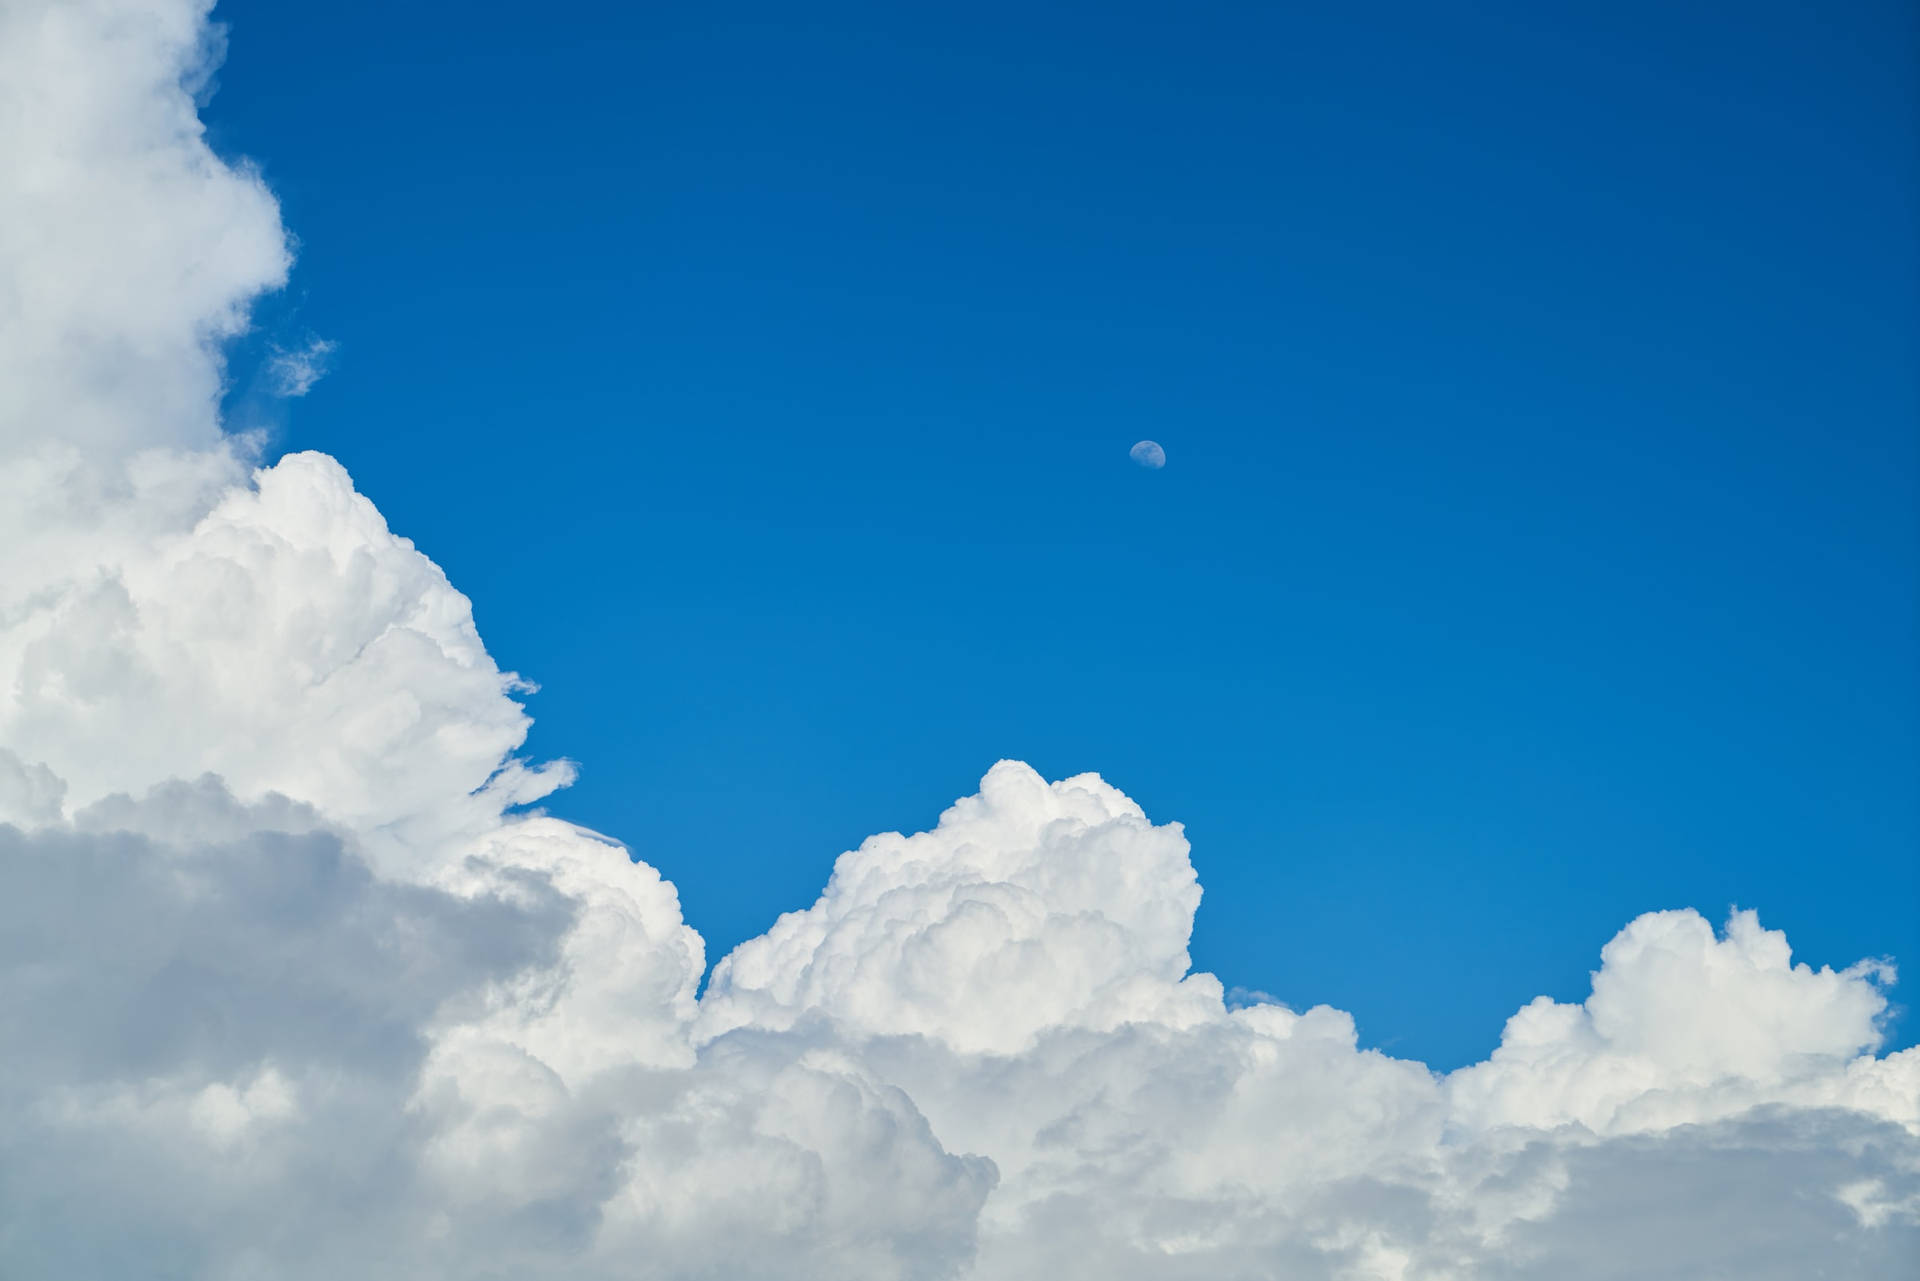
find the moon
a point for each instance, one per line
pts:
(1149, 455)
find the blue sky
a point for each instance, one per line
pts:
(1537, 544)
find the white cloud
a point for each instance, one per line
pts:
(1162, 1134)
(1065, 892)
(284, 640)
(289, 989)
(293, 371)
(254, 1056)
(130, 249)
(1684, 1027)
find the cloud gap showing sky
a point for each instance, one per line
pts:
(295, 984)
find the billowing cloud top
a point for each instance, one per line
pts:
(1063, 893)
(290, 988)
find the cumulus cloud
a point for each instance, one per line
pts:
(131, 250)
(1141, 1127)
(293, 986)
(285, 640)
(1064, 892)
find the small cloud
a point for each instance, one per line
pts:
(1241, 998)
(293, 372)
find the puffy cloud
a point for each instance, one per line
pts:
(290, 987)
(501, 1073)
(1065, 892)
(253, 1055)
(1683, 1027)
(131, 250)
(1184, 1138)
(286, 641)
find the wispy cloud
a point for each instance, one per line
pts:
(293, 371)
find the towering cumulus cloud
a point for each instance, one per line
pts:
(291, 987)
